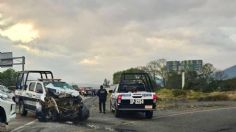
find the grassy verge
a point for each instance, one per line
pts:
(170, 95)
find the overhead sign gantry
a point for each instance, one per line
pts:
(7, 60)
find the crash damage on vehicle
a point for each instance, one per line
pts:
(62, 107)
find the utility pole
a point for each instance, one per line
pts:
(183, 80)
(23, 63)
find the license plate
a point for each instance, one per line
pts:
(148, 106)
(136, 101)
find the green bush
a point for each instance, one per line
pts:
(179, 93)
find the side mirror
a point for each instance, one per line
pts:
(110, 91)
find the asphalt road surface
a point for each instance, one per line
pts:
(212, 119)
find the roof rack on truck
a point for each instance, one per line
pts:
(23, 77)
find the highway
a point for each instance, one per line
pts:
(213, 119)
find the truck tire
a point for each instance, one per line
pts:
(3, 115)
(22, 110)
(41, 117)
(1, 119)
(149, 114)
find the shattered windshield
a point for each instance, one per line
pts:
(62, 85)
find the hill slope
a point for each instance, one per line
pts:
(230, 72)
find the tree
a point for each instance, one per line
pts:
(158, 68)
(174, 80)
(206, 77)
(207, 71)
(191, 80)
(220, 75)
(106, 83)
(8, 77)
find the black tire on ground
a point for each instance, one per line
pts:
(1, 119)
(22, 110)
(149, 114)
(3, 116)
(41, 117)
(117, 113)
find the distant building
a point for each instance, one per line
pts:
(173, 66)
(186, 65)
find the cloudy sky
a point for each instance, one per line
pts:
(87, 40)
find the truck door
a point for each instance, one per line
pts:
(29, 99)
(40, 91)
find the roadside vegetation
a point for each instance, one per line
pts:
(177, 94)
(8, 78)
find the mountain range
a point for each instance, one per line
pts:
(230, 72)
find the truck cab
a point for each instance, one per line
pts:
(33, 86)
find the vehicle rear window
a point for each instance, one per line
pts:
(124, 88)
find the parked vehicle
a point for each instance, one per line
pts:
(134, 93)
(7, 108)
(86, 91)
(33, 96)
(8, 92)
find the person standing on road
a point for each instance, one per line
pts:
(102, 95)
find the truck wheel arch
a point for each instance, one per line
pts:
(2, 112)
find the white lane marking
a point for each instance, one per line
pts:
(192, 112)
(18, 128)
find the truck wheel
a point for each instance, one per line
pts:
(2, 119)
(3, 115)
(117, 113)
(41, 116)
(149, 114)
(22, 110)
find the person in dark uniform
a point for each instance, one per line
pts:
(102, 95)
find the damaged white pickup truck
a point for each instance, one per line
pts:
(50, 99)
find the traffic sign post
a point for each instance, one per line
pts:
(6, 60)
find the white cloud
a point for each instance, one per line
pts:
(88, 40)
(20, 32)
(90, 61)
